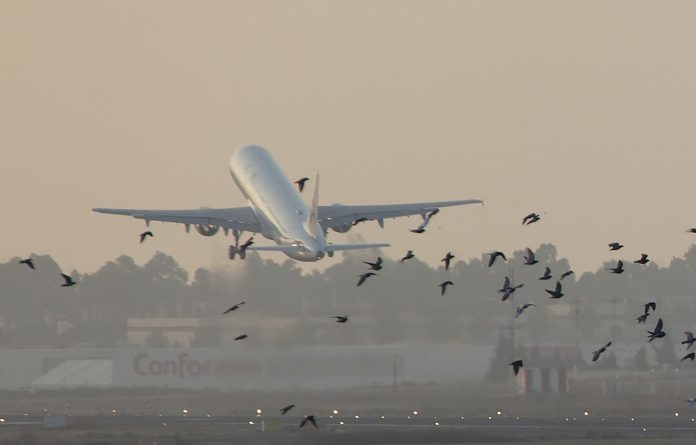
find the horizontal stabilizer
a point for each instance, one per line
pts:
(273, 248)
(337, 247)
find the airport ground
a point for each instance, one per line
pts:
(466, 413)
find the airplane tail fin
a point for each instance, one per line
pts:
(313, 219)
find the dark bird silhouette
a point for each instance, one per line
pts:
(364, 277)
(234, 308)
(643, 259)
(692, 230)
(377, 265)
(493, 256)
(689, 340)
(658, 332)
(507, 290)
(650, 305)
(529, 258)
(145, 235)
(408, 256)
(309, 419)
(447, 260)
(423, 225)
(556, 293)
(598, 352)
(246, 244)
(301, 183)
(340, 318)
(240, 337)
(690, 356)
(615, 246)
(284, 411)
(531, 218)
(547, 274)
(642, 318)
(618, 269)
(68, 280)
(522, 308)
(443, 286)
(567, 274)
(29, 262)
(516, 365)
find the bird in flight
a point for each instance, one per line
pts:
(364, 277)
(689, 340)
(556, 293)
(567, 274)
(649, 305)
(494, 255)
(618, 269)
(516, 365)
(309, 419)
(340, 318)
(522, 308)
(692, 401)
(598, 352)
(68, 280)
(145, 235)
(29, 262)
(658, 332)
(301, 183)
(377, 265)
(408, 256)
(643, 259)
(234, 308)
(443, 286)
(689, 356)
(529, 258)
(547, 274)
(531, 218)
(447, 260)
(284, 411)
(642, 318)
(615, 246)
(507, 289)
(240, 337)
(426, 221)
(692, 230)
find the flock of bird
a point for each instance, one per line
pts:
(507, 290)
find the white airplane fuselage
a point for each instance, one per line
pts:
(282, 214)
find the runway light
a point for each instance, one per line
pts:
(335, 412)
(251, 422)
(113, 411)
(490, 418)
(258, 411)
(408, 417)
(437, 423)
(498, 412)
(341, 422)
(382, 417)
(586, 413)
(2, 420)
(644, 429)
(357, 417)
(184, 411)
(415, 413)
(462, 417)
(207, 415)
(676, 414)
(164, 423)
(632, 419)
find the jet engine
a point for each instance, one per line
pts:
(207, 229)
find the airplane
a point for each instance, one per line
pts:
(276, 211)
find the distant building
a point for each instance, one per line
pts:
(176, 331)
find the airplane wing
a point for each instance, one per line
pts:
(338, 216)
(240, 218)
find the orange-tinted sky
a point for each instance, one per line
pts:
(582, 110)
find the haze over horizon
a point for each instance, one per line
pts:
(580, 111)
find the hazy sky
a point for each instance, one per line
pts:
(582, 110)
